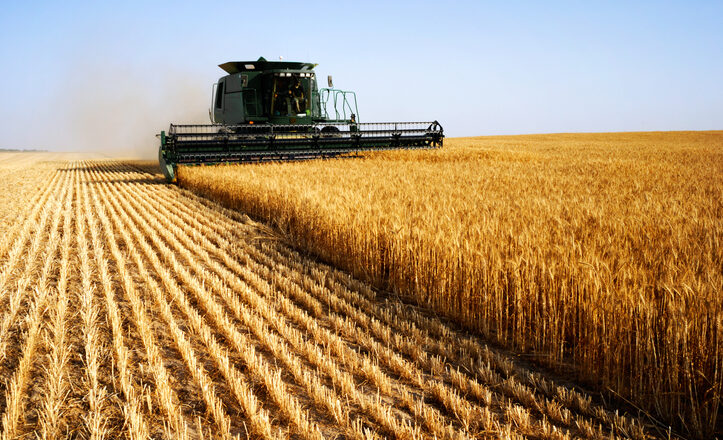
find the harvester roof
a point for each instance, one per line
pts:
(262, 64)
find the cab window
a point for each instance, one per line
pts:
(219, 95)
(290, 96)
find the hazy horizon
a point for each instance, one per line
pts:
(107, 77)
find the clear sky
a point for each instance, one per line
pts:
(108, 75)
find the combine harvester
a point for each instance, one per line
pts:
(272, 110)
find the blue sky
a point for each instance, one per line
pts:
(108, 75)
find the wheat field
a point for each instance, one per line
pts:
(130, 308)
(596, 253)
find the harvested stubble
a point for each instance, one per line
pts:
(134, 309)
(604, 251)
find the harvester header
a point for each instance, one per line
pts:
(274, 110)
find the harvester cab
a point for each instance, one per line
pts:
(274, 110)
(279, 93)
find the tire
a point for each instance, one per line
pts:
(330, 131)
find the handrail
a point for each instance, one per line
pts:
(342, 97)
(212, 109)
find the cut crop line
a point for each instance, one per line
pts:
(224, 215)
(385, 342)
(364, 366)
(525, 387)
(229, 221)
(464, 383)
(352, 389)
(172, 239)
(387, 330)
(254, 324)
(291, 270)
(515, 382)
(314, 386)
(361, 364)
(497, 257)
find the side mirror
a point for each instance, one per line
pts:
(330, 82)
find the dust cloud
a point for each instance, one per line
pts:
(117, 112)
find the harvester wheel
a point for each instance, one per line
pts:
(330, 131)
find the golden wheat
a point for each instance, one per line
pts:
(15, 407)
(310, 323)
(295, 338)
(134, 419)
(599, 250)
(95, 421)
(177, 424)
(310, 328)
(55, 400)
(134, 309)
(264, 427)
